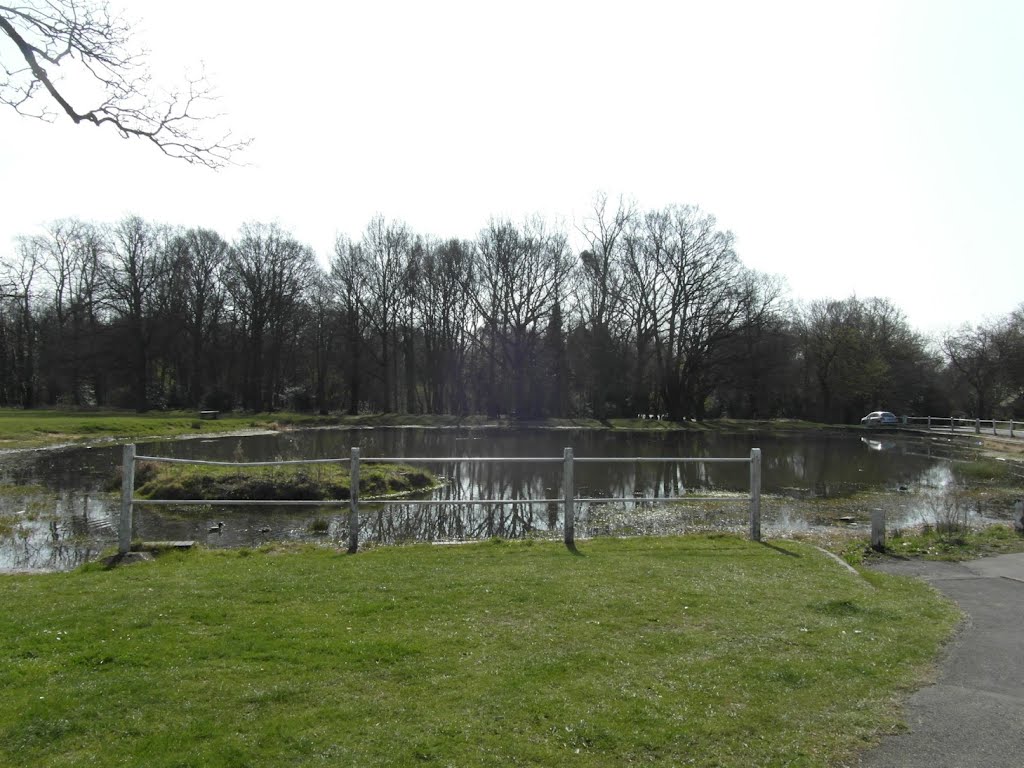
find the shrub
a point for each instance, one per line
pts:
(949, 511)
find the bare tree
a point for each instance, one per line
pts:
(860, 355)
(350, 273)
(832, 351)
(73, 259)
(683, 273)
(267, 275)
(321, 330)
(17, 278)
(522, 275)
(1010, 343)
(444, 305)
(386, 247)
(973, 354)
(67, 51)
(600, 292)
(200, 257)
(137, 265)
(756, 367)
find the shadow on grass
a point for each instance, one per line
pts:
(779, 549)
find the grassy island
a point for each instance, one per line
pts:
(291, 482)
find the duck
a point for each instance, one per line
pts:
(217, 528)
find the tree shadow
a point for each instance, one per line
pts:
(572, 548)
(779, 549)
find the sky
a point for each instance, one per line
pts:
(868, 149)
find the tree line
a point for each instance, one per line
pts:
(655, 315)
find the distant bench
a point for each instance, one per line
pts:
(209, 414)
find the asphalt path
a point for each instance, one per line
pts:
(973, 715)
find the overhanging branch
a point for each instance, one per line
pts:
(62, 31)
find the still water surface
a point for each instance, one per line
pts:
(74, 514)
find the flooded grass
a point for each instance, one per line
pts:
(696, 650)
(25, 506)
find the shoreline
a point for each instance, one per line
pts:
(77, 426)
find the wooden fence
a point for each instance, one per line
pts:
(996, 427)
(568, 499)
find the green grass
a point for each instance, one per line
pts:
(670, 651)
(931, 544)
(38, 428)
(988, 471)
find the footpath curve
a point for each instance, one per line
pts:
(973, 715)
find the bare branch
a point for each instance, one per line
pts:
(80, 38)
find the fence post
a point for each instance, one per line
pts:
(929, 422)
(994, 427)
(977, 426)
(755, 494)
(878, 530)
(353, 503)
(124, 528)
(1011, 427)
(570, 493)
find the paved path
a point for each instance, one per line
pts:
(974, 714)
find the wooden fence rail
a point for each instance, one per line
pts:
(953, 424)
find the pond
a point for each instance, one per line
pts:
(59, 508)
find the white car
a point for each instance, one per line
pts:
(880, 419)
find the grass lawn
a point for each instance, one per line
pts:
(650, 651)
(40, 428)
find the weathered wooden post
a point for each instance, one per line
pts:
(929, 423)
(994, 427)
(755, 494)
(1011, 427)
(977, 426)
(878, 530)
(353, 503)
(569, 490)
(124, 528)
(1018, 516)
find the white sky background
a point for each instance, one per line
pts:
(869, 148)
